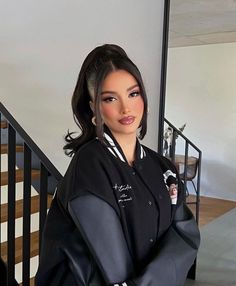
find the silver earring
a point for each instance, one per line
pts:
(93, 120)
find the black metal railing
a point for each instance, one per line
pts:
(191, 165)
(46, 181)
(191, 170)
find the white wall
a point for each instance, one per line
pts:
(43, 44)
(201, 91)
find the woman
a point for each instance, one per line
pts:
(112, 221)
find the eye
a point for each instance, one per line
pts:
(134, 93)
(108, 99)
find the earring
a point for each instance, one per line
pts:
(93, 120)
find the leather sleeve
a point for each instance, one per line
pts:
(177, 252)
(101, 229)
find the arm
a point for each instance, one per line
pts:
(102, 231)
(177, 251)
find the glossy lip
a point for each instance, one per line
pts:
(127, 120)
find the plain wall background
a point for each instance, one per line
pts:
(43, 44)
(201, 91)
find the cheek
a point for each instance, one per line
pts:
(107, 112)
(139, 106)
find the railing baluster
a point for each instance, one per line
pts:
(43, 200)
(0, 188)
(47, 168)
(11, 205)
(26, 215)
(172, 147)
(185, 168)
(198, 187)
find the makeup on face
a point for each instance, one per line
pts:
(121, 103)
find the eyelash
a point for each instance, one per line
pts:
(108, 99)
(134, 93)
(111, 98)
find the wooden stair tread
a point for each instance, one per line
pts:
(4, 148)
(34, 247)
(4, 124)
(31, 282)
(35, 174)
(19, 207)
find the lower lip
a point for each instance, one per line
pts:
(127, 120)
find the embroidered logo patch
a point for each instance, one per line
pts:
(124, 194)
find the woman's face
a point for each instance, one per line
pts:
(121, 103)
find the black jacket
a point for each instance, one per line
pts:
(87, 239)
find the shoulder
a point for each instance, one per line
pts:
(88, 172)
(155, 155)
(86, 164)
(89, 154)
(164, 162)
(93, 147)
(150, 152)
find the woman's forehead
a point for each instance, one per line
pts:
(119, 78)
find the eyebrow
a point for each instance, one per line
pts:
(133, 86)
(113, 92)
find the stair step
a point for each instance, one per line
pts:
(35, 174)
(4, 148)
(34, 262)
(34, 247)
(19, 207)
(31, 282)
(19, 192)
(4, 124)
(34, 226)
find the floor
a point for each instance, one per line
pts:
(214, 263)
(211, 208)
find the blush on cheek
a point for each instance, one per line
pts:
(107, 112)
(139, 105)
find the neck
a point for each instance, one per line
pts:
(127, 144)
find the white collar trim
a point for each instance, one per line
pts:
(115, 152)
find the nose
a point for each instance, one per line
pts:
(125, 108)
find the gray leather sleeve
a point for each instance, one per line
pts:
(101, 229)
(177, 252)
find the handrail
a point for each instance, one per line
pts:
(31, 144)
(182, 135)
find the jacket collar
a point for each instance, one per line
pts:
(115, 149)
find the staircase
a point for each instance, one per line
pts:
(27, 182)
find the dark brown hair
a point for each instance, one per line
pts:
(98, 64)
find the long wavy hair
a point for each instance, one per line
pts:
(97, 65)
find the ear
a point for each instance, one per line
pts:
(91, 104)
